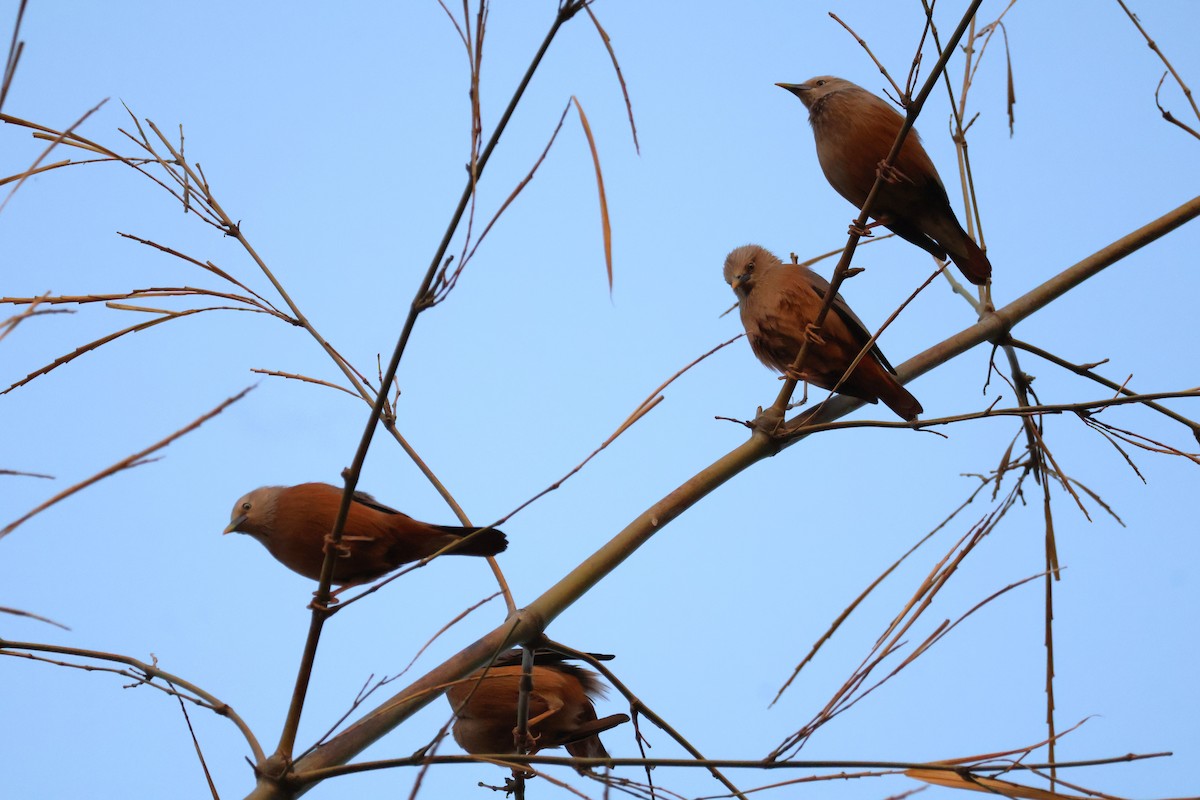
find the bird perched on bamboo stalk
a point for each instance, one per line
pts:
(779, 305)
(854, 131)
(561, 713)
(294, 522)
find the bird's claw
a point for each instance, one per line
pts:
(340, 549)
(813, 333)
(890, 173)
(529, 743)
(326, 606)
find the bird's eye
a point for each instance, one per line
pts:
(820, 83)
(749, 267)
(246, 506)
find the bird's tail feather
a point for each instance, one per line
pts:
(487, 543)
(900, 400)
(972, 262)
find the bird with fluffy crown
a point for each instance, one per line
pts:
(779, 303)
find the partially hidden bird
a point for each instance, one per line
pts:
(561, 713)
(293, 523)
(779, 304)
(854, 132)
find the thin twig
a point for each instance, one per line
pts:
(128, 462)
(1187, 92)
(149, 672)
(292, 722)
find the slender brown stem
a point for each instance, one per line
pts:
(292, 722)
(726, 763)
(1086, 372)
(149, 672)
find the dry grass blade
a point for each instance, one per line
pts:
(604, 224)
(208, 266)
(16, 612)
(1138, 440)
(31, 310)
(891, 640)
(965, 780)
(20, 176)
(842, 775)
(305, 379)
(15, 48)
(1101, 429)
(103, 340)
(130, 461)
(57, 140)
(19, 474)
(1100, 501)
(866, 592)
(1010, 99)
(620, 78)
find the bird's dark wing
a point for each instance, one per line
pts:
(370, 502)
(857, 327)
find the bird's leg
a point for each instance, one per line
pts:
(803, 399)
(812, 332)
(531, 738)
(890, 173)
(342, 548)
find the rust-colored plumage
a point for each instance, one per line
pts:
(779, 302)
(854, 132)
(561, 713)
(292, 522)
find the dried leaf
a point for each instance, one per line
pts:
(587, 129)
(955, 780)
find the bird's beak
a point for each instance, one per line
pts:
(233, 526)
(735, 283)
(794, 88)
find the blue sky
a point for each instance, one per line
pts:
(338, 139)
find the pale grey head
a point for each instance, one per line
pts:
(254, 512)
(813, 90)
